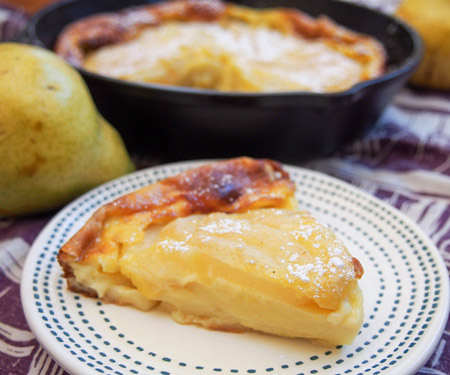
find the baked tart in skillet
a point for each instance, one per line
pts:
(222, 246)
(222, 46)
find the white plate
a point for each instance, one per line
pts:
(405, 287)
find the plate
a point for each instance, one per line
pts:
(405, 287)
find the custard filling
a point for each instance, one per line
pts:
(230, 57)
(274, 270)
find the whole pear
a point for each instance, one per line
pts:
(431, 18)
(54, 145)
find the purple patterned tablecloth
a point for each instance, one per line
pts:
(404, 160)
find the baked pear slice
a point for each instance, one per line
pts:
(225, 247)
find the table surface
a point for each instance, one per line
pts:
(404, 160)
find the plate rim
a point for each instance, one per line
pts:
(52, 346)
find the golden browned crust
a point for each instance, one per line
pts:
(357, 266)
(234, 185)
(90, 33)
(98, 30)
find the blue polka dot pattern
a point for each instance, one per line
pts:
(405, 288)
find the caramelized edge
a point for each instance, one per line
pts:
(234, 185)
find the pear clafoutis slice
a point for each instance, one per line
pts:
(223, 246)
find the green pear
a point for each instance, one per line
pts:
(54, 145)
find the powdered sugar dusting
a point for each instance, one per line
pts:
(336, 262)
(312, 255)
(286, 62)
(300, 271)
(226, 225)
(294, 248)
(171, 245)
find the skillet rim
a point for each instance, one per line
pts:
(406, 66)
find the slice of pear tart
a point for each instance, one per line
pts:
(222, 246)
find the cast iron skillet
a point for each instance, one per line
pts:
(172, 123)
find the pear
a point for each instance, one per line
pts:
(431, 18)
(54, 145)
